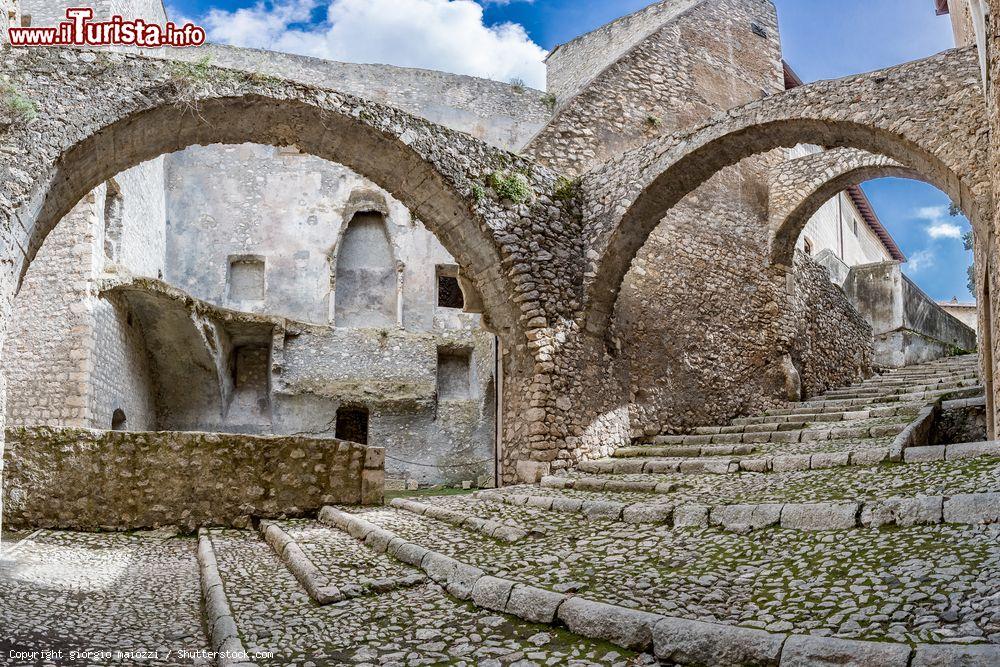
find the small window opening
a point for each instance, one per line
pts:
(114, 206)
(352, 424)
(449, 292)
(118, 420)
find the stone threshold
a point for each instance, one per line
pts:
(316, 584)
(219, 618)
(487, 527)
(966, 508)
(675, 640)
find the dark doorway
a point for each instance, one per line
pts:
(352, 424)
(118, 420)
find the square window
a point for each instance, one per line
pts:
(449, 293)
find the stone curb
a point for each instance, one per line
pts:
(486, 527)
(679, 641)
(317, 585)
(219, 620)
(917, 433)
(967, 508)
(308, 575)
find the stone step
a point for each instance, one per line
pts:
(865, 392)
(963, 392)
(665, 442)
(682, 450)
(899, 410)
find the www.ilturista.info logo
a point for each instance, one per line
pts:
(79, 30)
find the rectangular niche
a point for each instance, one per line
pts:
(454, 374)
(246, 278)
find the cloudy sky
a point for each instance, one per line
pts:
(507, 39)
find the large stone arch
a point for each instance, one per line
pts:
(929, 116)
(799, 187)
(498, 214)
(99, 113)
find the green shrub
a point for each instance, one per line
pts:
(510, 186)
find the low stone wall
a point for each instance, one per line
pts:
(116, 480)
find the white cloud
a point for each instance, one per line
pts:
(941, 225)
(946, 230)
(446, 35)
(920, 260)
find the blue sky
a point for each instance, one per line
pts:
(506, 39)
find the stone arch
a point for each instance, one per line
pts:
(799, 187)
(153, 107)
(929, 120)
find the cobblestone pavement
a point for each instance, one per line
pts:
(102, 593)
(415, 626)
(910, 584)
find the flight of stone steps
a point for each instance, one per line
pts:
(818, 549)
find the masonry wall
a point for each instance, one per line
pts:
(111, 480)
(75, 357)
(703, 331)
(494, 111)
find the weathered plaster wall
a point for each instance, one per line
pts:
(909, 326)
(113, 480)
(327, 262)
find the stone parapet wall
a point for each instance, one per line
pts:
(498, 113)
(113, 480)
(571, 66)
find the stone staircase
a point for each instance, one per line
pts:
(834, 535)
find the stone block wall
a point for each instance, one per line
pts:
(111, 480)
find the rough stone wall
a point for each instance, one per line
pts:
(705, 59)
(10, 15)
(571, 66)
(706, 359)
(114, 480)
(47, 362)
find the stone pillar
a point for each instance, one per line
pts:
(373, 477)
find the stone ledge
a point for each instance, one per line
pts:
(219, 620)
(487, 527)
